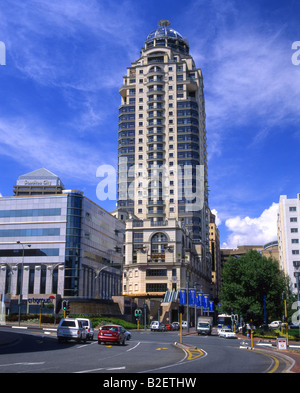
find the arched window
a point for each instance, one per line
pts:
(159, 242)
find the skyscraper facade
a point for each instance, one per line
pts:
(56, 242)
(162, 135)
(162, 159)
(288, 229)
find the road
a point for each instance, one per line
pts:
(147, 352)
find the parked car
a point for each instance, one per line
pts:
(169, 326)
(163, 327)
(275, 325)
(71, 329)
(227, 333)
(156, 326)
(184, 324)
(176, 325)
(87, 324)
(111, 334)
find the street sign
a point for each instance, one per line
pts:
(281, 343)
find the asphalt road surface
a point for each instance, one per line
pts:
(146, 353)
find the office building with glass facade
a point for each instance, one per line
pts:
(60, 243)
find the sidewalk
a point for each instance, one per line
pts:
(9, 338)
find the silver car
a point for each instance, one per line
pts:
(71, 329)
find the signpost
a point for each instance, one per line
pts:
(281, 343)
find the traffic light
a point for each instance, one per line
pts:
(66, 307)
(250, 316)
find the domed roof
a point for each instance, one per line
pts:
(164, 31)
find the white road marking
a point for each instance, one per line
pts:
(21, 364)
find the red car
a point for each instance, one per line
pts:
(111, 334)
(169, 326)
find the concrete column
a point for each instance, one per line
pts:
(14, 278)
(61, 280)
(49, 279)
(37, 280)
(3, 270)
(25, 281)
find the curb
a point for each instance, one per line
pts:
(28, 327)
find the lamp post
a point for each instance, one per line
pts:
(97, 274)
(187, 303)
(195, 286)
(21, 281)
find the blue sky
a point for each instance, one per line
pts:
(59, 96)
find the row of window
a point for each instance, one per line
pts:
(156, 287)
(30, 252)
(30, 212)
(29, 232)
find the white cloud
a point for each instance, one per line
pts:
(35, 145)
(67, 44)
(218, 220)
(252, 231)
(248, 74)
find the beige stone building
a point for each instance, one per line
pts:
(162, 170)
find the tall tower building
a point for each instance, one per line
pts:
(162, 160)
(162, 135)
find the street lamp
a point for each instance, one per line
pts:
(21, 281)
(195, 286)
(187, 303)
(97, 274)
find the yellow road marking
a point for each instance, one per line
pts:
(276, 363)
(194, 353)
(274, 358)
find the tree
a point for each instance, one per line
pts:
(247, 280)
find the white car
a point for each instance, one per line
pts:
(227, 333)
(156, 326)
(275, 325)
(87, 324)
